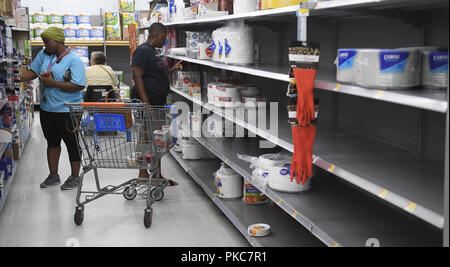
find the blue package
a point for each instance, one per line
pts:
(83, 19)
(347, 58)
(438, 62)
(393, 61)
(69, 19)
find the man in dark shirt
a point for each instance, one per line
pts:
(151, 74)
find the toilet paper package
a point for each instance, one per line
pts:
(83, 34)
(70, 33)
(97, 34)
(39, 18)
(346, 71)
(435, 69)
(244, 6)
(388, 69)
(83, 19)
(69, 19)
(55, 19)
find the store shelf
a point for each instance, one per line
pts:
(389, 173)
(20, 29)
(87, 43)
(328, 8)
(3, 147)
(284, 230)
(427, 99)
(333, 211)
(5, 192)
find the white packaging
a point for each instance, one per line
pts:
(244, 6)
(161, 140)
(388, 69)
(249, 91)
(435, 69)
(83, 34)
(279, 179)
(186, 78)
(259, 230)
(346, 70)
(97, 33)
(192, 151)
(181, 51)
(238, 44)
(204, 51)
(212, 14)
(196, 124)
(229, 183)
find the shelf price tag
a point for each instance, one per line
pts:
(379, 94)
(279, 202)
(302, 12)
(411, 207)
(294, 214)
(332, 168)
(337, 87)
(383, 193)
(336, 245)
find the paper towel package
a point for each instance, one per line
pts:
(435, 69)
(112, 19)
(388, 69)
(81, 51)
(346, 71)
(244, 6)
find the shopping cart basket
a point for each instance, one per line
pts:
(126, 142)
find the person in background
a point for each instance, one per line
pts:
(64, 77)
(99, 73)
(151, 74)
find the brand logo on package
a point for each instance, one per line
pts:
(285, 172)
(393, 62)
(346, 59)
(222, 89)
(220, 49)
(227, 48)
(212, 47)
(438, 62)
(225, 99)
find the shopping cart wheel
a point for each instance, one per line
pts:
(148, 217)
(153, 195)
(129, 193)
(79, 215)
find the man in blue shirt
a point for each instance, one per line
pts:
(64, 77)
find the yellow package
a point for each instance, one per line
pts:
(267, 4)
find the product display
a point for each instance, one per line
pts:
(229, 183)
(435, 69)
(259, 230)
(244, 6)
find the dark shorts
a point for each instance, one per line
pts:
(57, 127)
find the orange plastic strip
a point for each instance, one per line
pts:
(102, 104)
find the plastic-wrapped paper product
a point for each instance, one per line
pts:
(435, 69)
(238, 44)
(181, 51)
(216, 44)
(249, 91)
(97, 33)
(204, 51)
(388, 69)
(346, 69)
(244, 6)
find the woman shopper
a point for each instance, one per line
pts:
(151, 74)
(64, 77)
(99, 73)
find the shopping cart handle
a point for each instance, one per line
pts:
(105, 104)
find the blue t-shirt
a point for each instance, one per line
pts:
(55, 97)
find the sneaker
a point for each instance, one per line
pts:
(52, 180)
(71, 183)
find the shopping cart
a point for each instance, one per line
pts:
(126, 142)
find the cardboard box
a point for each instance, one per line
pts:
(126, 6)
(16, 150)
(125, 33)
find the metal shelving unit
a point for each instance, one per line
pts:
(350, 157)
(88, 43)
(426, 99)
(366, 185)
(284, 230)
(7, 188)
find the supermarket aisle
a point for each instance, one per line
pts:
(35, 217)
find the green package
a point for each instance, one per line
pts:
(127, 6)
(112, 19)
(128, 18)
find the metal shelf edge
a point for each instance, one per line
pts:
(415, 209)
(216, 201)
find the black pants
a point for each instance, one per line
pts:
(155, 99)
(57, 126)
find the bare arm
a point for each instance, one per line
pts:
(68, 87)
(28, 76)
(140, 87)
